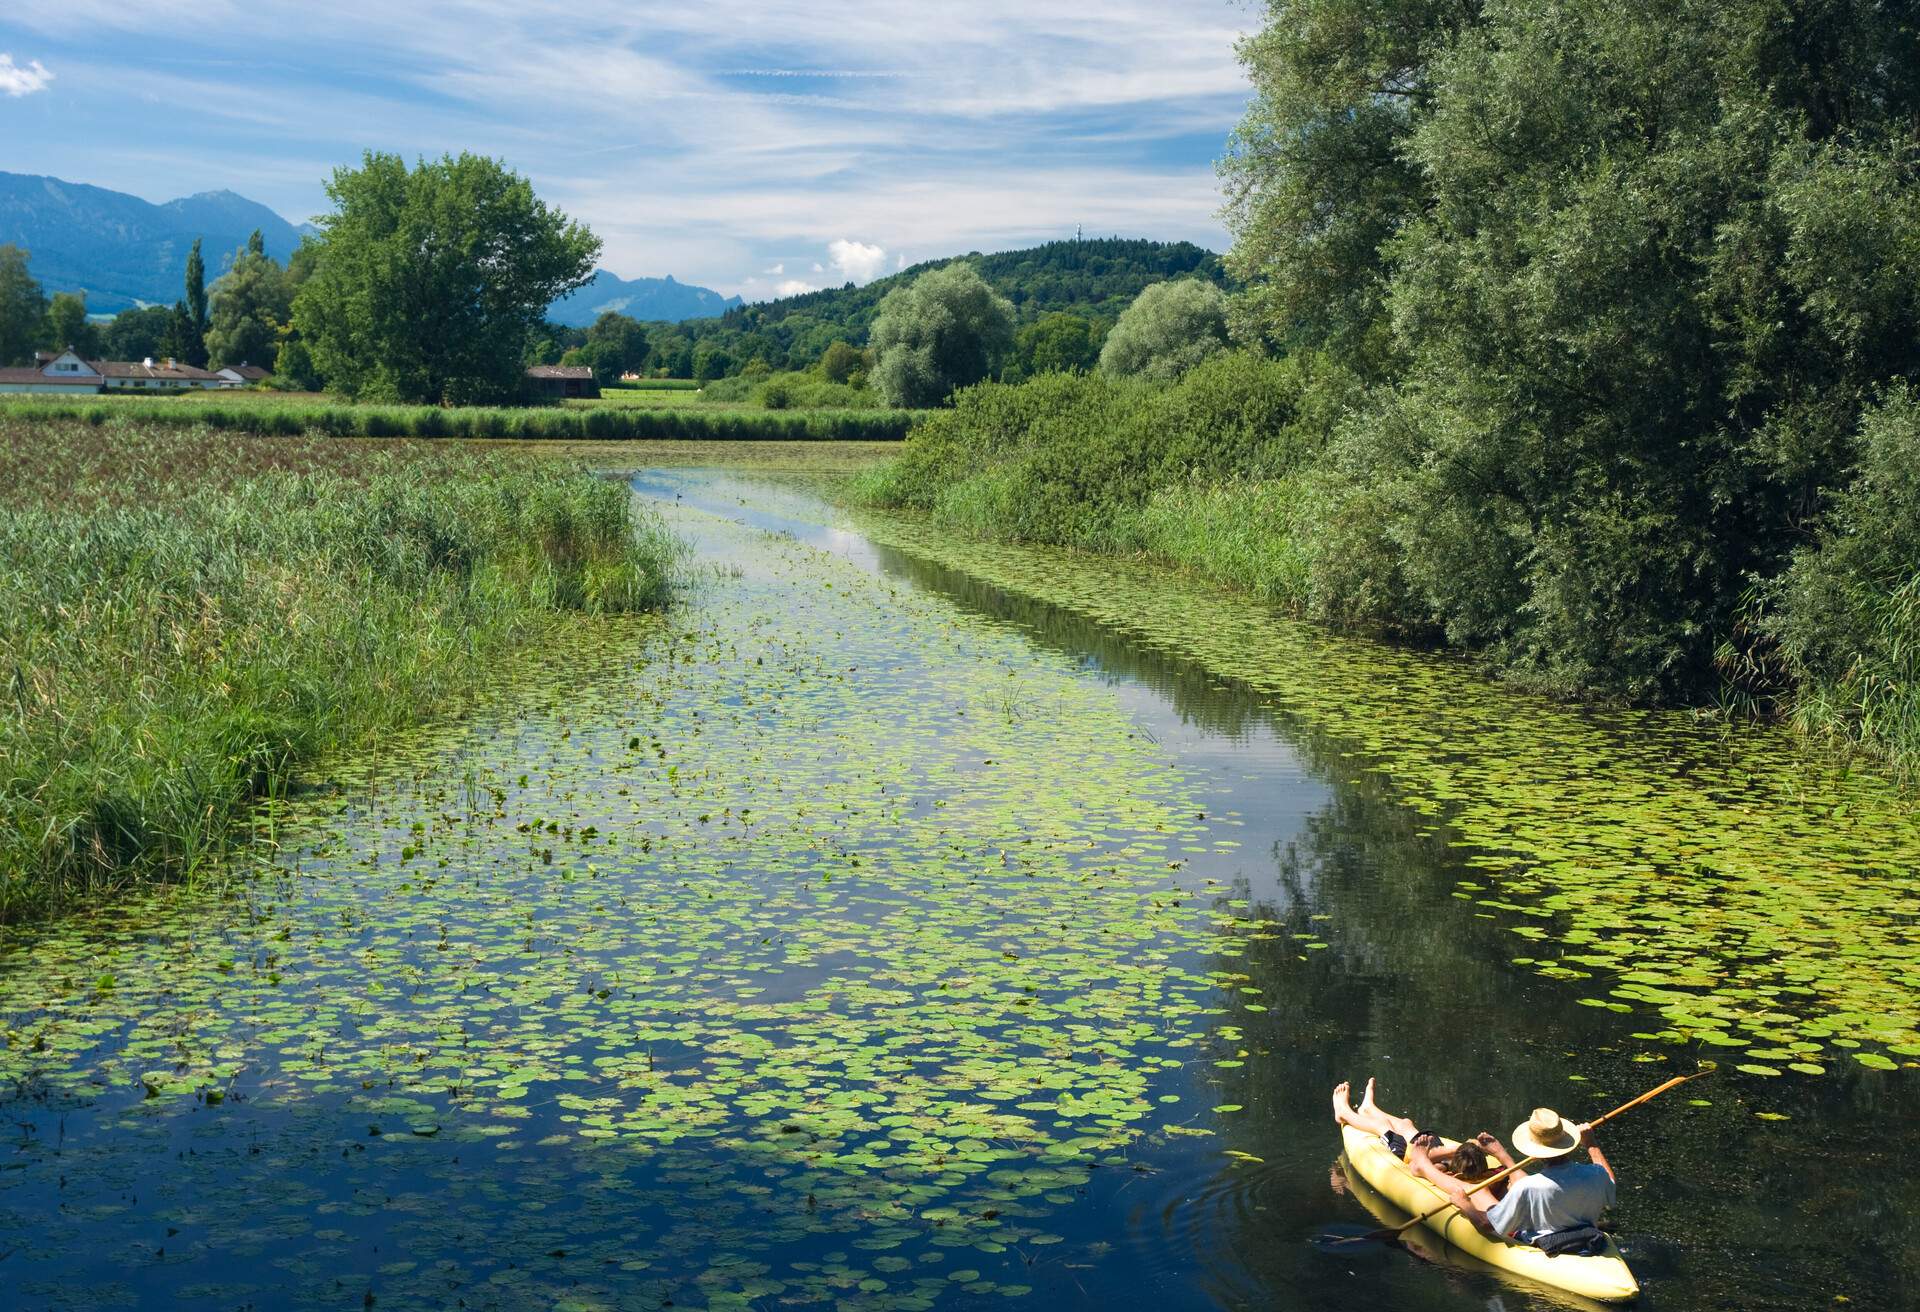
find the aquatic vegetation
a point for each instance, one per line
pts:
(765, 933)
(187, 618)
(1752, 899)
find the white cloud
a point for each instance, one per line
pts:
(783, 124)
(16, 81)
(858, 261)
(793, 287)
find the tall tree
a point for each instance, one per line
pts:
(256, 244)
(615, 344)
(67, 326)
(1169, 328)
(1625, 279)
(136, 334)
(195, 345)
(430, 281)
(252, 302)
(946, 330)
(179, 336)
(1057, 343)
(23, 308)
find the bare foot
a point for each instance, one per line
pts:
(1342, 1103)
(1366, 1099)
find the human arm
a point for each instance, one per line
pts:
(1598, 1158)
(1422, 1166)
(1498, 1151)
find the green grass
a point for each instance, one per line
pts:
(186, 617)
(260, 414)
(654, 385)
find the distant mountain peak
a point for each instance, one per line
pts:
(124, 251)
(648, 299)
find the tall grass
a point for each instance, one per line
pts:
(593, 423)
(186, 617)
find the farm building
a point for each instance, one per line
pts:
(559, 381)
(66, 374)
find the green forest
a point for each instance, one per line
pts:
(1580, 338)
(1063, 297)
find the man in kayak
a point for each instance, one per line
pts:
(1560, 1195)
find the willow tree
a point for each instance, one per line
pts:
(1624, 279)
(945, 330)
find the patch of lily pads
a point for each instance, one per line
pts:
(1756, 898)
(814, 946)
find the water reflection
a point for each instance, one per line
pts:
(1417, 986)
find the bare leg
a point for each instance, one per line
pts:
(1367, 1119)
(1400, 1125)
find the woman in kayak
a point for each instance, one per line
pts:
(1467, 1162)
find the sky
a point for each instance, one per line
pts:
(758, 148)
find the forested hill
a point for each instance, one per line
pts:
(1084, 277)
(1094, 278)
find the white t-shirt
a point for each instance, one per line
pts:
(1553, 1199)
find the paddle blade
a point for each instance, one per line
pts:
(1351, 1240)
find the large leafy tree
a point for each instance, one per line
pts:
(251, 306)
(23, 308)
(1057, 343)
(1169, 328)
(429, 282)
(1624, 278)
(945, 330)
(136, 334)
(615, 344)
(67, 325)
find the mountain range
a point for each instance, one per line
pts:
(649, 299)
(123, 251)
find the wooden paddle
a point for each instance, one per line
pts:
(1395, 1231)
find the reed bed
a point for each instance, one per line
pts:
(605, 423)
(186, 617)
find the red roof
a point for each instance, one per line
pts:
(177, 373)
(55, 380)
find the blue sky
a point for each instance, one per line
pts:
(751, 147)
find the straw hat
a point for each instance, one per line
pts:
(1544, 1134)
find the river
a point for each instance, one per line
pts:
(866, 934)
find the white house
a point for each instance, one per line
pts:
(66, 374)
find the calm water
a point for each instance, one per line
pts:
(860, 936)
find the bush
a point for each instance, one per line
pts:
(1846, 615)
(1073, 458)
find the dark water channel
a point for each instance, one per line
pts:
(864, 936)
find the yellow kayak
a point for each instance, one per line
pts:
(1604, 1277)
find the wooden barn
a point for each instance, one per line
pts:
(557, 382)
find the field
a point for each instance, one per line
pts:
(187, 616)
(291, 414)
